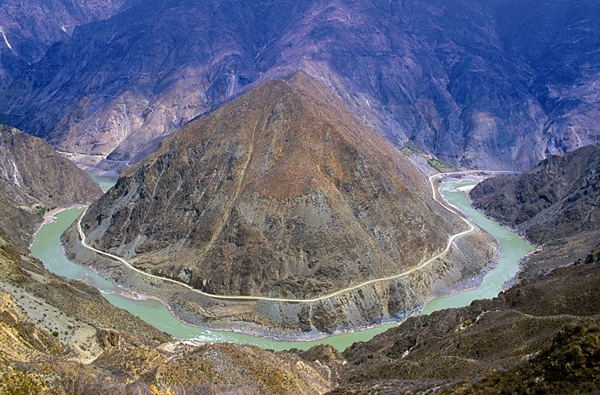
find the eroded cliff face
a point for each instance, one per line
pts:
(451, 77)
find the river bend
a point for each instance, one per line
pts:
(48, 249)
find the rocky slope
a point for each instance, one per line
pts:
(61, 336)
(451, 76)
(33, 180)
(43, 315)
(555, 205)
(558, 42)
(538, 337)
(541, 336)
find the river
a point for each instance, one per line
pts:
(48, 249)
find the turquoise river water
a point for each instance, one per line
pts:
(48, 249)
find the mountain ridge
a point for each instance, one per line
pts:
(447, 76)
(555, 205)
(29, 29)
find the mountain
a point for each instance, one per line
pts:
(33, 180)
(453, 77)
(58, 335)
(281, 192)
(555, 205)
(558, 41)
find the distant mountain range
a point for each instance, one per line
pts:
(29, 28)
(484, 84)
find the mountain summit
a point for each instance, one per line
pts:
(282, 192)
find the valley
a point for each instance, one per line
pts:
(367, 372)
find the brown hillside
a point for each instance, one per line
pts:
(282, 192)
(33, 179)
(555, 205)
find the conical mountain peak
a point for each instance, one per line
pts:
(280, 192)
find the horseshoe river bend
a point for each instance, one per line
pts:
(47, 247)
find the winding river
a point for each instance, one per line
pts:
(47, 248)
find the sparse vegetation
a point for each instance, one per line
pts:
(439, 165)
(468, 322)
(413, 148)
